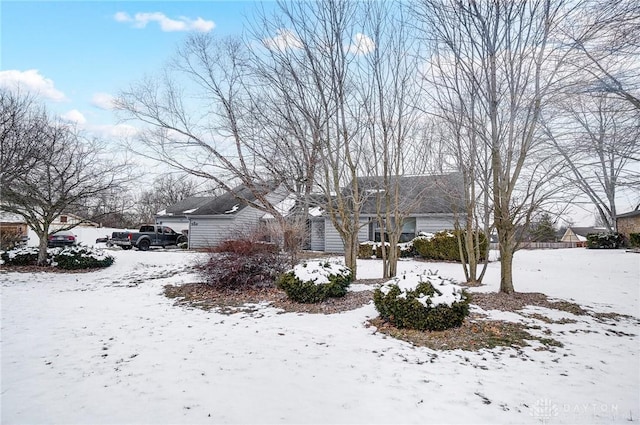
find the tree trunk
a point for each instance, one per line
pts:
(351, 253)
(42, 249)
(506, 264)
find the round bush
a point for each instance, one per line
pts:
(80, 257)
(315, 281)
(422, 301)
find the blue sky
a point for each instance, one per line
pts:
(78, 53)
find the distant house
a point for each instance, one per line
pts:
(579, 234)
(628, 223)
(177, 216)
(428, 202)
(70, 220)
(13, 229)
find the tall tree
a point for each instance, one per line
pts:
(503, 50)
(598, 136)
(66, 173)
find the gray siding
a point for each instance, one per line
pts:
(432, 224)
(317, 235)
(178, 224)
(333, 241)
(206, 231)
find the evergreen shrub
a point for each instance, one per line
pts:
(443, 246)
(68, 258)
(315, 281)
(605, 240)
(634, 240)
(422, 301)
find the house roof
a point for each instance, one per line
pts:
(186, 206)
(584, 231)
(635, 213)
(230, 203)
(7, 217)
(432, 194)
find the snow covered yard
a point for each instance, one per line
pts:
(108, 347)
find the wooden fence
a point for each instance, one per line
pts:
(545, 245)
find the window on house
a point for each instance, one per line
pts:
(408, 230)
(63, 219)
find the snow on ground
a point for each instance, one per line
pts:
(108, 347)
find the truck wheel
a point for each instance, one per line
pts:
(181, 239)
(144, 245)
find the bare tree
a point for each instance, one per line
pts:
(166, 190)
(389, 88)
(21, 119)
(502, 50)
(598, 136)
(68, 173)
(604, 38)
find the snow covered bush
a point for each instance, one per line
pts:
(80, 257)
(443, 246)
(27, 256)
(69, 258)
(423, 301)
(605, 240)
(241, 264)
(316, 280)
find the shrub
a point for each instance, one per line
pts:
(605, 240)
(79, 257)
(232, 271)
(245, 246)
(634, 240)
(422, 301)
(69, 258)
(315, 281)
(27, 256)
(365, 250)
(444, 245)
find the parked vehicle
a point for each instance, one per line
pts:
(62, 238)
(146, 237)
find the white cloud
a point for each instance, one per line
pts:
(74, 116)
(284, 39)
(103, 101)
(140, 20)
(117, 131)
(362, 44)
(31, 81)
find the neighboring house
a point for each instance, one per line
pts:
(226, 216)
(177, 216)
(579, 234)
(428, 203)
(70, 220)
(13, 229)
(628, 223)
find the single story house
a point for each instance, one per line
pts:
(579, 234)
(71, 220)
(428, 204)
(628, 223)
(177, 216)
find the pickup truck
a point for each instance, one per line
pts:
(146, 237)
